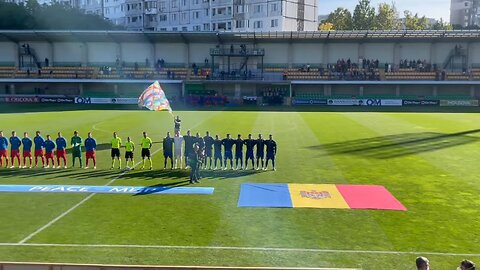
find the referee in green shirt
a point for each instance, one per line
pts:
(146, 144)
(116, 143)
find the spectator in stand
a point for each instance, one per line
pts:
(206, 62)
(46, 62)
(136, 66)
(28, 72)
(147, 62)
(422, 263)
(467, 265)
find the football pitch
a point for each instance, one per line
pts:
(428, 161)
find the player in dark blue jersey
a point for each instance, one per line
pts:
(260, 154)
(250, 143)
(208, 140)
(271, 151)
(239, 152)
(217, 147)
(227, 146)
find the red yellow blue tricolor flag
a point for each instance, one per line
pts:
(318, 196)
(154, 99)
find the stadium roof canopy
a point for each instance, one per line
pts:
(227, 37)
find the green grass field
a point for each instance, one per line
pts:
(428, 161)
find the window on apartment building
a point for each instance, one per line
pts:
(206, 12)
(196, 2)
(174, 17)
(197, 28)
(229, 25)
(229, 10)
(161, 5)
(274, 23)
(213, 11)
(174, 29)
(162, 17)
(274, 7)
(240, 24)
(163, 29)
(174, 4)
(257, 24)
(206, 27)
(134, 19)
(184, 2)
(196, 14)
(258, 8)
(221, 26)
(184, 15)
(184, 29)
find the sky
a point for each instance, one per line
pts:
(430, 8)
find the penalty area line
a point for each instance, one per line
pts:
(68, 211)
(259, 249)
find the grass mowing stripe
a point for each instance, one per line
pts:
(30, 236)
(263, 249)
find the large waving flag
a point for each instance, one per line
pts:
(154, 99)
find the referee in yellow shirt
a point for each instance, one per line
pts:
(146, 145)
(116, 143)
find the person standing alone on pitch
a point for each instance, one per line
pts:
(115, 153)
(168, 150)
(15, 144)
(146, 146)
(217, 147)
(189, 141)
(90, 148)
(239, 153)
(250, 143)
(227, 147)
(260, 151)
(39, 141)
(27, 150)
(76, 143)
(271, 151)
(3, 149)
(178, 141)
(177, 123)
(208, 140)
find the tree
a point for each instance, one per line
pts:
(414, 22)
(325, 26)
(441, 25)
(387, 17)
(363, 16)
(341, 19)
(52, 17)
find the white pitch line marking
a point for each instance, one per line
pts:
(76, 205)
(261, 249)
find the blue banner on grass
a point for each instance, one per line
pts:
(137, 190)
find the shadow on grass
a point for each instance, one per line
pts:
(149, 175)
(392, 146)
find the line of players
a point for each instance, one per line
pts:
(45, 150)
(210, 151)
